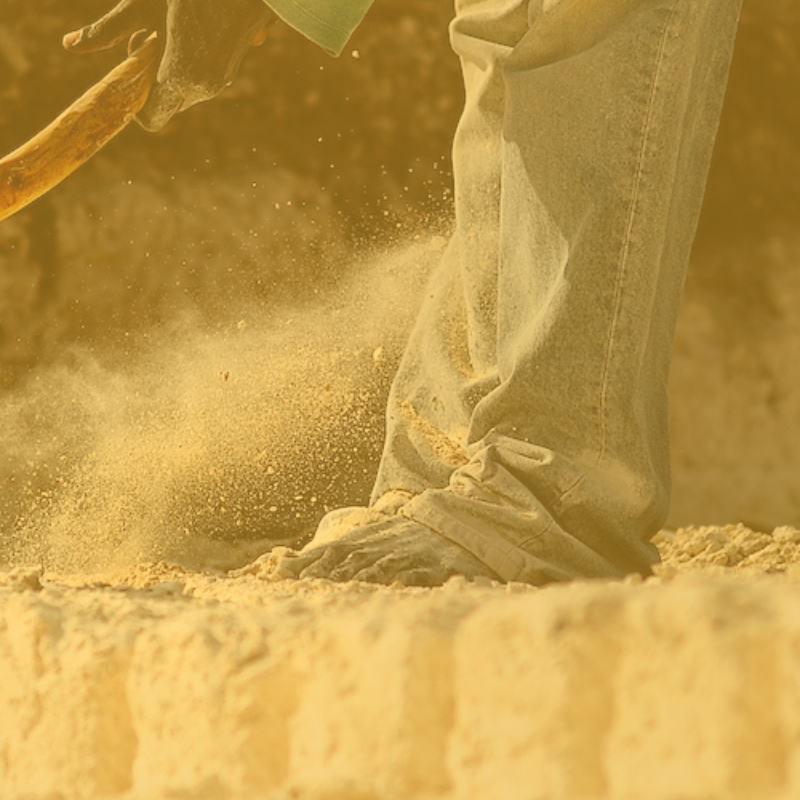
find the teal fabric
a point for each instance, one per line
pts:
(328, 23)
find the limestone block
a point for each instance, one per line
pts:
(210, 705)
(237, 689)
(701, 705)
(535, 695)
(65, 724)
(687, 690)
(393, 702)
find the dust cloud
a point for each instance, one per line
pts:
(205, 444)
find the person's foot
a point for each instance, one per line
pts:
(391, 550)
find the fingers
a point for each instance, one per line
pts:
(124, 20)
(137, 40)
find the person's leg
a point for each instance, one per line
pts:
(528, 418)
(450, 361)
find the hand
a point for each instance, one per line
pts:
(204, 44)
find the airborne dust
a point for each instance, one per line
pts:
(203, 445)
(139, 427)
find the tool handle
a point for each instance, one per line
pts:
(79, 132)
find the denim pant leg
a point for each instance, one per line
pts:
(450, 361)
(529, 413)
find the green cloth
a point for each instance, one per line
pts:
(328, 23)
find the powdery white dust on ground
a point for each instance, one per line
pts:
(154, 681)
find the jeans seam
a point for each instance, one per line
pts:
(626, 245)
(625, 251)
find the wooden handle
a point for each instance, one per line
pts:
(79, 132)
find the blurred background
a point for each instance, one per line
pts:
(197, 329)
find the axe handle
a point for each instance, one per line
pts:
(79, 132)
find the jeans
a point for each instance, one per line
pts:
(528, 420)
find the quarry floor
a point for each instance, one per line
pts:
(158, 682)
